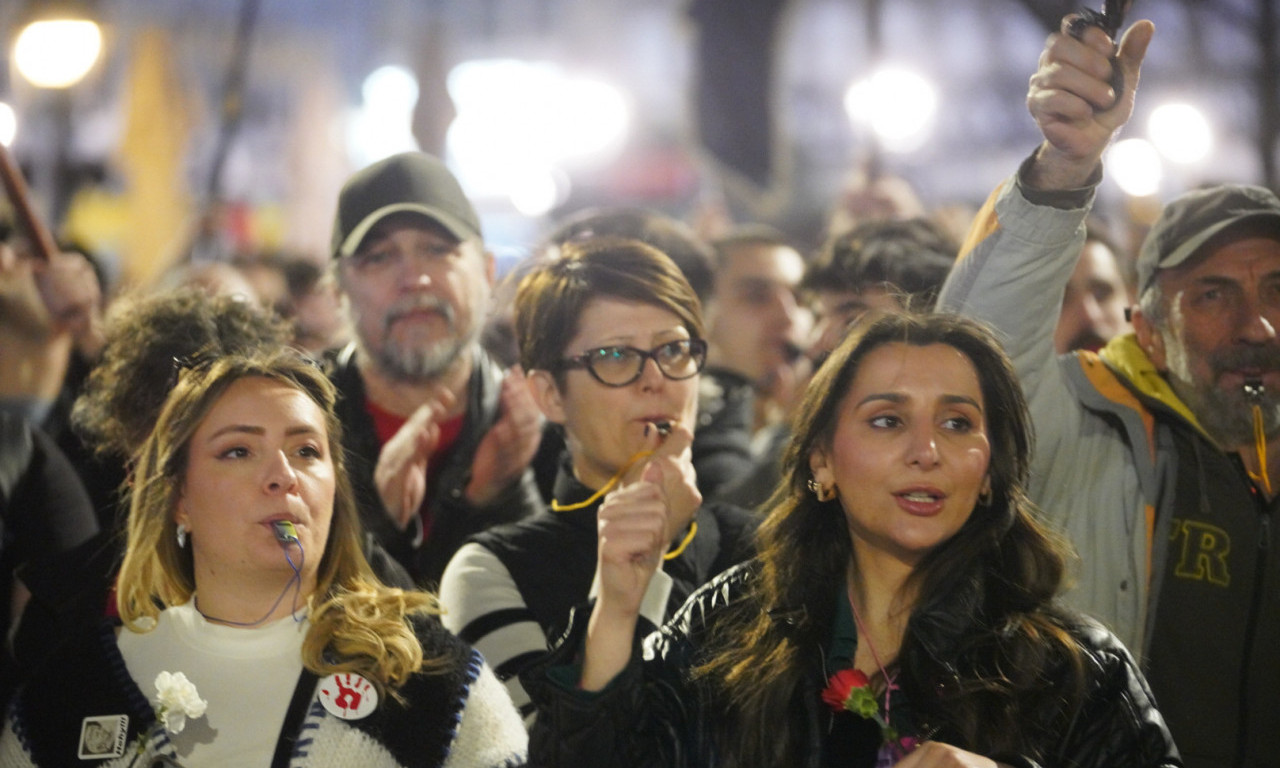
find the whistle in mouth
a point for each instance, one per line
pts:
(1254, 389)
(285, 532)
(663, 427)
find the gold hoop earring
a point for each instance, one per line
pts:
(821, 492)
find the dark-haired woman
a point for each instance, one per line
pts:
(901, 608)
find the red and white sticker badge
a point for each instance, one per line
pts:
(348, 696)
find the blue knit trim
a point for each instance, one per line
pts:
(301, 747)
(474, 665)
(16, 719)
(138, 703)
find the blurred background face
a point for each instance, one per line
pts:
(835, 311)
(755, 323)
(416, 296)
(605, 426)
(1094, 304)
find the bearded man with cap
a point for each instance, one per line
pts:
(439, 437)
(1159, 456)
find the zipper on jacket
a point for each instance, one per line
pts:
(1259, 579)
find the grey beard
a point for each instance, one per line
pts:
(1228, 416)
(419, 365)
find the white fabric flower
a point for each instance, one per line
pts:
(176, 700)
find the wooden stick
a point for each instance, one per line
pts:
(42, 242)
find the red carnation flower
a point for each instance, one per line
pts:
(841, 685)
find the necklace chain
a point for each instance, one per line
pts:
(889, 685)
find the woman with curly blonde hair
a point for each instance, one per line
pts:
(253, 629)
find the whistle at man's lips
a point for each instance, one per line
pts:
(1254, 389)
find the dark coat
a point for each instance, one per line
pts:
(453, 518)
(653, 715)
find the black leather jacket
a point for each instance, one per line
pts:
(652, 715)
(453, 518)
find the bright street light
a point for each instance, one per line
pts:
(57, 53)
(520, 124)
(1135, 165)
(897, 104)
(1181, 133)
(383, 126)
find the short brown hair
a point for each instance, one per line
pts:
(552, 297)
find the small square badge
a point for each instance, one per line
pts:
(103, 737)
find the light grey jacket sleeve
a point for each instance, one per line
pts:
(1012, 277)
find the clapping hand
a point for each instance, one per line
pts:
(509, 445)
(401, 472)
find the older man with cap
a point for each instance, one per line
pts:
(439, 437)
(1160, 455)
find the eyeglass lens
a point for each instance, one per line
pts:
(622, 365)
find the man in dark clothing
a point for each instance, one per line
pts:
(1158, 455)
(439, 439)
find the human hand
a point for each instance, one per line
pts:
(72, 294)
(70, 290)
(935, 754)
(1072, 101)
(22, 310)
(635, 525)
(401, 471)
(672, 452)
(633, 531)
(509, 445)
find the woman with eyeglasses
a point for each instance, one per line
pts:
(611, 338)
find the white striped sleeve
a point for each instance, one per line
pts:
(484, 608)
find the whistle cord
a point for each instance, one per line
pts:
(1260, 443)
(684, 544)
(556, 506)
(294, 581)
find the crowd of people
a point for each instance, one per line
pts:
(661, 497)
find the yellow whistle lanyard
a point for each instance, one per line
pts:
(1260, 443)
(556, 506)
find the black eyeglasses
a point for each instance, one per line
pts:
(618, 366)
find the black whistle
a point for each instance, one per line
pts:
(1110, 19)
(663, 427)
(285, 532)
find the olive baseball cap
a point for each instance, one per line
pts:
(410, 181)
(1187, 223)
